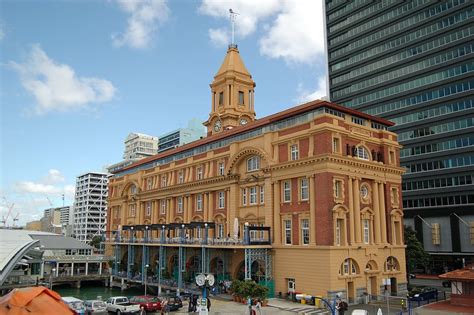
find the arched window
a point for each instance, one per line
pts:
(133, 189)
(391, 264)
(349, 267)
(362, 153)
(253, 163)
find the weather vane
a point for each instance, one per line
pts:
(232, 21)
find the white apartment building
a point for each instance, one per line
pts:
(138, 146)
(90, 205)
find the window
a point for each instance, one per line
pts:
(133, 189)
(241, 98)
(262, 195)
(198, 232)
(305, 231)
(338, 188)
(221, 199)
(435, 234)
(221, 168)
(199, 202)
(220, 230)
(365, 224)
(164, 179)
(294, 152)
(304, 189)
(199, 173)
(349, 267)
(253, 163)
(180, 177)
(253, 195)
(149, 183)
(163, 206)
(339, 225)
(286, 191)
(132, 210)
(221, 98)
(180, 204)
(362, 153)
(148, 209)
(336, 144)
(287, 225)
(244, 196)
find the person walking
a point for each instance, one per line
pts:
(258, 307)
(208, 304)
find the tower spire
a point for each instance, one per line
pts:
(233, 16)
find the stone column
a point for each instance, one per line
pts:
(356, 193)
(72, 269)
(312, 210)
(383, 213)
(42, 269)
(87, 268)
(376, 203)
(57, 269)
(268, 206)
(233, 197)
(100, 268)
(212, 232)
(351, 212)
(311, 145)
(170, 211)
(276, 214)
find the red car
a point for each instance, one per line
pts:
(150, 303)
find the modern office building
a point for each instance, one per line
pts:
(90, 206)
(305, 200)
(176, 138)
(138, 146)
(412, 62)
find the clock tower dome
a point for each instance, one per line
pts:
(232, 95)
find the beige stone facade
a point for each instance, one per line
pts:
(324, 179)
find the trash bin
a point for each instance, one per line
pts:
(317, 301)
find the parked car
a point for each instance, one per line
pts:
(360, 312)
(95, 307)
(75, 304)
(121, 305)
(174, 302)
(150, 303)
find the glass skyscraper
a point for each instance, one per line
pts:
(412, 62)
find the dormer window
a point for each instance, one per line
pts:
(362, 153)
(253, 163)
(241, 98)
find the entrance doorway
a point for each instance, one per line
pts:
(372, 287)
(291, 285)
(350, 292)
(393, 286)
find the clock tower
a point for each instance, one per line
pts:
(232, 94)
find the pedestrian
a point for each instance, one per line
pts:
(164, 305)
(208, 304)
(341, 306)
(258, 307)
(190, 305)
(142, 310)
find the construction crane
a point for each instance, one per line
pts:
(10, 209)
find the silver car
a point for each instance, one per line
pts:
(95, 307)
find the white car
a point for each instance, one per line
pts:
(360, 312)
(75, 304)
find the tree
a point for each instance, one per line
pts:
(415, 253)
(95, 241)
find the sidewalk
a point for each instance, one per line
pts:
(303, 309)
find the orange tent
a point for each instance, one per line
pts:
(33, 301)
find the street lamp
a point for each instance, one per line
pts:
(146, 275)
(51, 278)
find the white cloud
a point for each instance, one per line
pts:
(53, 177)
(219, 36)
(291, 30)
(56, 87)
(318, 93)
(297, 34)
(31, 197)
(142, 24)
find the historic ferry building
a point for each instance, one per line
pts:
(305, 200)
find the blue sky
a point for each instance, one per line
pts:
(78, 76)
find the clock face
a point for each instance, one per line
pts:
(217, 125)
(200, 280)
(243, 121)
(210, 279)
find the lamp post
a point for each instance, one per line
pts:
(51, 278)
(146, 275)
